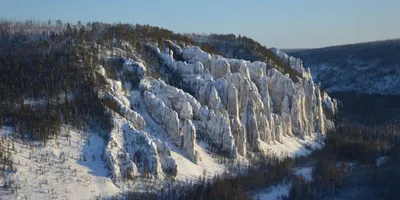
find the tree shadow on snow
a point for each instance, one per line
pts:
(92, 156)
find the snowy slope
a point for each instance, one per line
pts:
(69, 167)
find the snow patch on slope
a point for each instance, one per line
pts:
(68, 167)
(273, 193)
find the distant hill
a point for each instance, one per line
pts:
(365, 77)
(371, 67)
(289, 51)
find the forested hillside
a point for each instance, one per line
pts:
(370, 67)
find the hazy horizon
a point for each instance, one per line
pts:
(286, 25)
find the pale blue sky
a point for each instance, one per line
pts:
(283, 24)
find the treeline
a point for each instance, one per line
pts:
(137, 35)
(260, 172)
(369, 109)
(355, 158)
(48, 79)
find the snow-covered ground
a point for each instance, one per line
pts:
(305, 172)
(282, 189)
(273, 193)
(62, 169)
(294, 147)
(189, 170)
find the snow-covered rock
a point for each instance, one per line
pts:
(194, 54)
(137, 68)
(162, 114)
(210, 121)
(116, 96)
(214, 101)
(219, 67)
(130, 153)
(381, 161)
(189, 140)
(249, 102)
(293, 62)
(251, 126)
(219, 129)
(186, 111)
(167, 162)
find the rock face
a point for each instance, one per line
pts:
(167, 162)
(133, 117)
(219, 67)
(246, 102)
(163, 102)
(130, 153)
(137, 68)
(114, 94)
(235, 107)
(165, 116)
(295, 63)
(189, 140)
(251, 126)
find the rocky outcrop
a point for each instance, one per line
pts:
(246, 102)
(293, 62)
(164, 115)
(251, 126)
(210, 121)
(219, 67)
(189, 140)
(168, 164)
(133, 117)
(113, 94)
(219, 130)
(186, 111)
(130, 153)
(239, 134)
(235, 106)
(132, 67)
(214, 101)
(232, 101)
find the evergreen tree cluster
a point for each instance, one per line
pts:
(349, 162)
(261, 171)
(48, 79)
